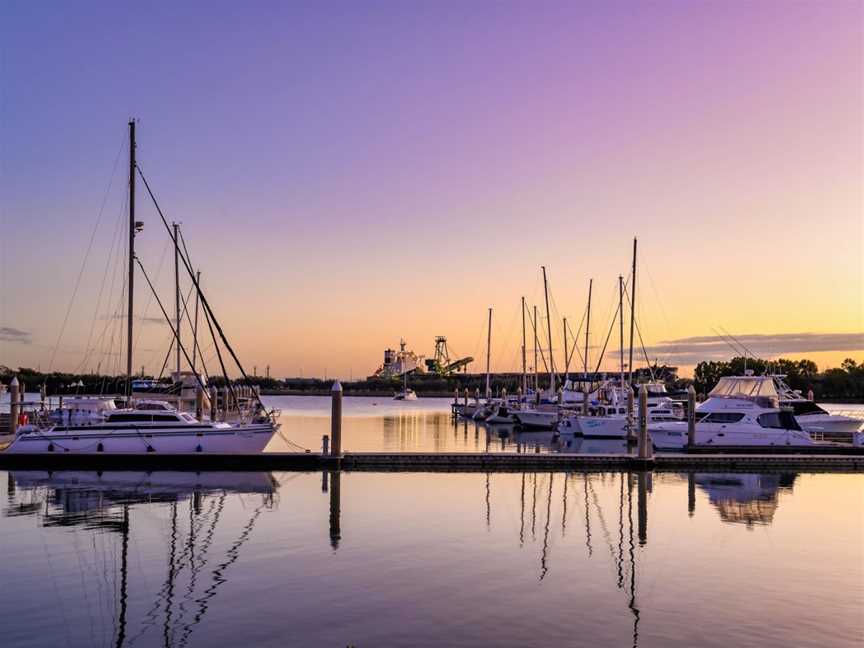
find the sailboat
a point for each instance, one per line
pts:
(153, 426)
(407, 394)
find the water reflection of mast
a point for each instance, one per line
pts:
(534, 505)
(545, 551)
(124, 577)
(488, 508)
(587, 517)
(632, 548)
(522, 514)
(564, 509)
(169, 598)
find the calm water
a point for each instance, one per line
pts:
(424, 425)
(409, 559)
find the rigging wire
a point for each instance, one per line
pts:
(86, 257)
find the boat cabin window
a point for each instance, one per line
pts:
(165, 418)
(782, 420)
(130, 418)
(143, 418)
(723, 417)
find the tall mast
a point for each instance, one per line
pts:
(177, 293)
(566, 355)
(131, 281)
(536, 348)
(524, 369)
(632, 311)
(588, 325)
(488, 353)
(549, 332)
(621, 326)
(195, 326)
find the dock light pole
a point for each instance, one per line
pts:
(336, 420)
(691, 416)
(645, 449)
(14, 406)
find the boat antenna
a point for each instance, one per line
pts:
(132, 227)
(549, 332)
(739, 342)
(632, 312)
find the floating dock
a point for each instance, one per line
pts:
(441, 462)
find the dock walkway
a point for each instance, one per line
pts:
(439, 462)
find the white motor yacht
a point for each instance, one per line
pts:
(740, 411)
(811, 417)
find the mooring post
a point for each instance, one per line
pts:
(14, 407)
(213, 400)
(325, 444)
(336, 420)
(810, 396)
(645, 449)
(477, 395)
(560, 395)
(504, 395)
(584, 402)
(691, 416)
(199, 402)
(466, 397)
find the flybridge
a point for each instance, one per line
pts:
(745, 387)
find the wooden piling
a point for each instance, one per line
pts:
(336, 420)
(691, 416)
(646, 450)
(213, 403)
(14, 405)
(199, 402)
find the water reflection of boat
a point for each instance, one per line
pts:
(745, 498)
(104, 502)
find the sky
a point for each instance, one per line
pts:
(349, 174)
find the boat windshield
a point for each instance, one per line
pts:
(744, 387)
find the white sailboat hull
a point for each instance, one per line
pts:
(537, 419)
(217, 439)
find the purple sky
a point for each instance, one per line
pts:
(350, 174)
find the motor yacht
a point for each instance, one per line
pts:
(740, 411)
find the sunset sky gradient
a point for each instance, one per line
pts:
(349, 173)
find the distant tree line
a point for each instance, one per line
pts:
(845, 383)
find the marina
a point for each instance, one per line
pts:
(487, 324)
